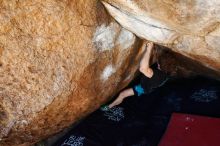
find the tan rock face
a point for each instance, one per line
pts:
(191, 28)
(59, 61)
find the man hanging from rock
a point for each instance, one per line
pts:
(150, 77)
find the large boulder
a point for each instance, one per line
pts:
(189, 27)
(59, 61)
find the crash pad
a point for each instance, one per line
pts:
(192, 130)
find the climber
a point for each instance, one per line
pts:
(151, 77)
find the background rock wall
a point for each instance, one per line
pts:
(190, 28)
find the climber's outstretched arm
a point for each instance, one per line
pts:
(145, 61)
